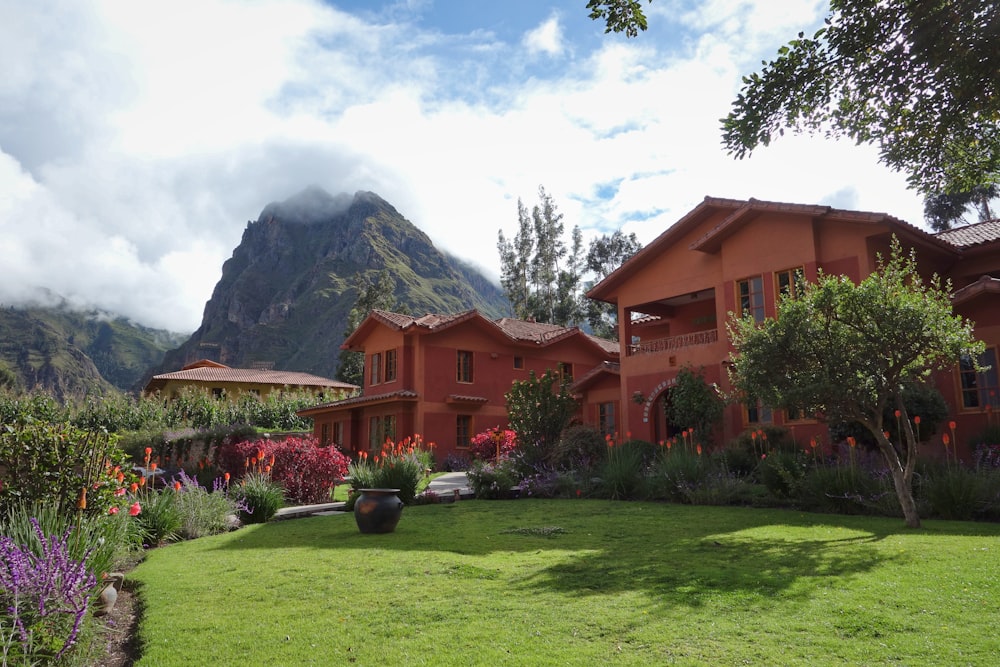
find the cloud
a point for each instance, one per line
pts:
(135, 146)
(547, 38)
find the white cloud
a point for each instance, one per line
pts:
(134, 145)
(547, 38)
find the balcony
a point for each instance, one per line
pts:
(674, 343)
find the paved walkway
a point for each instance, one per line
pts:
(451, 485)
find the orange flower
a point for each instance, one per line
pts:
(152, 466)
(812, 442)
(851, 441)
(82, 503)
(945, 439)
(133, 487)
(142, 481)
(886, 434)
(177, 486)
(149, 450)
(699, 450)
(952, 425)
(916, 420)
(120, 477)
(226, 478)
(897, 413)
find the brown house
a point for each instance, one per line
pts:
(726, 256)
(222, 381)
(444, 376)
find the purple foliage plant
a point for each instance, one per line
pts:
(39, 591)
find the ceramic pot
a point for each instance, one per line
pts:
(377, 510)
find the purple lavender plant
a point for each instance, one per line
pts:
(45, 593)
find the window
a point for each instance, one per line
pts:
(389, 427)
(463, 430)
(979, 389)
(565, 371)
(464, 366)
(606, 418)
(790, 282)
(374, 434)
(519, 363)
(758, 413)
(750, 294)
(338, 433)
(375, 375)
(218, 392)
(324, 434)
(390, 365)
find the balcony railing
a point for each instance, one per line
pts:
(673, 343)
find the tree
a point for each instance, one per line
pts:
(695, 404)
(538, 409)
(377, 293)
(539, 275)
(942, 210)
(606, 254)
(918, 79)
(619, 15)
(545, 281)
(845, 352)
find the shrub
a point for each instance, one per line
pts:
(538, 410)
(305, 470)
(717, 488)
(695, 404)
(259, 498)
(674, 474)
(492, 480)
(455, 462)
(160, 519)
(44, 596)
(540, 485)
(841, 490)
(106, 542)
(621, 474)
(397, 466)
(782, 472)
(60, 464)
(580, 447)
(493, 444)
(955, 493)
(203, 512)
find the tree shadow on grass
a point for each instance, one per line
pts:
(676, 553)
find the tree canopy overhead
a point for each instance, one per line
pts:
(846, 352)
(919, 79)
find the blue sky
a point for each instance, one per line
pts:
(137, 139)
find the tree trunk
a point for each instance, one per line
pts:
(904, 491)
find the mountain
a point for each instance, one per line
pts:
(71, 353)
(285, 294)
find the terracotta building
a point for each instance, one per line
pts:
(444, 376)
(223, 381)
(726, 256)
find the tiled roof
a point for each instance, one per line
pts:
(459, 398)
(985, 284)
(402, 394)
(972, 235)
(249, 376)
(609, 367)
(535, 332)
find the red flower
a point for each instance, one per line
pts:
(916, 420)
(113, 510)
(177, 486)
(945, 439)
(699, 450)
(134, 509)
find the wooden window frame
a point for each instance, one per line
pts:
(390, 366)
(464, 368)
(757, 310)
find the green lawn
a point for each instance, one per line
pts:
(536, 582)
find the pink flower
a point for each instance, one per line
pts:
(120, 492)
(113, 510)
(134, 509)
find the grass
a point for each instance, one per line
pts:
(543, 582)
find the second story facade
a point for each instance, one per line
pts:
(444, 376)
(733, 256)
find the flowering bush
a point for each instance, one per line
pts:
(305, 470)
(493, 480)
(493, 444)
(398, 465)
(43, 596)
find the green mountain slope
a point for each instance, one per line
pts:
(285, 294)
(72, 353)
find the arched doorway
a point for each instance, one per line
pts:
(662, 429)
